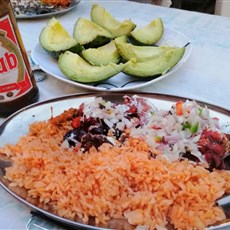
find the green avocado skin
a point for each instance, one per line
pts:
(156, 66)
(74, 49)
(77, 69)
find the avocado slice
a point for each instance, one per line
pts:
(140, 53)
(102, 17)
(157, 66)
(55, 39)
(77, 69)
(89, 34)
(103, 55)
(148, 34)
(121, 39)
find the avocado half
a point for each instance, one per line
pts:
(55, 39)
(102, 17)
(156, 66)
(103, 55)
(140, 53)
(76, 68)
(89, 34)
(148, 34)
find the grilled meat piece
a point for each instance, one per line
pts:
(215, 147)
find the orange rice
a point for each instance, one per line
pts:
(115, 182)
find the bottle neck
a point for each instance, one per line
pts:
(5, 7)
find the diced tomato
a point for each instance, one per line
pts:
(76, 148)
(179, 108)
(155, 127)
(80, 110)
(76, 122)
(132, 109)
(216, 118)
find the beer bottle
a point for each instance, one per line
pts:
(17, 84)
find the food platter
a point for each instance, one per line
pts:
(21, 120)
(44, 11)
(121, 81)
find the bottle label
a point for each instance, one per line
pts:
(14, 77)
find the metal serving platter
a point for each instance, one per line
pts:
(21, 120)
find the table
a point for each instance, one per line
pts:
(205, 76)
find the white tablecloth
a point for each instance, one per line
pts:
(205, 76)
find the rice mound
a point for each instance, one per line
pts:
(115, 182)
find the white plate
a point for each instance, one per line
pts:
(21, 120)
(59, 10)
(121, 81)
